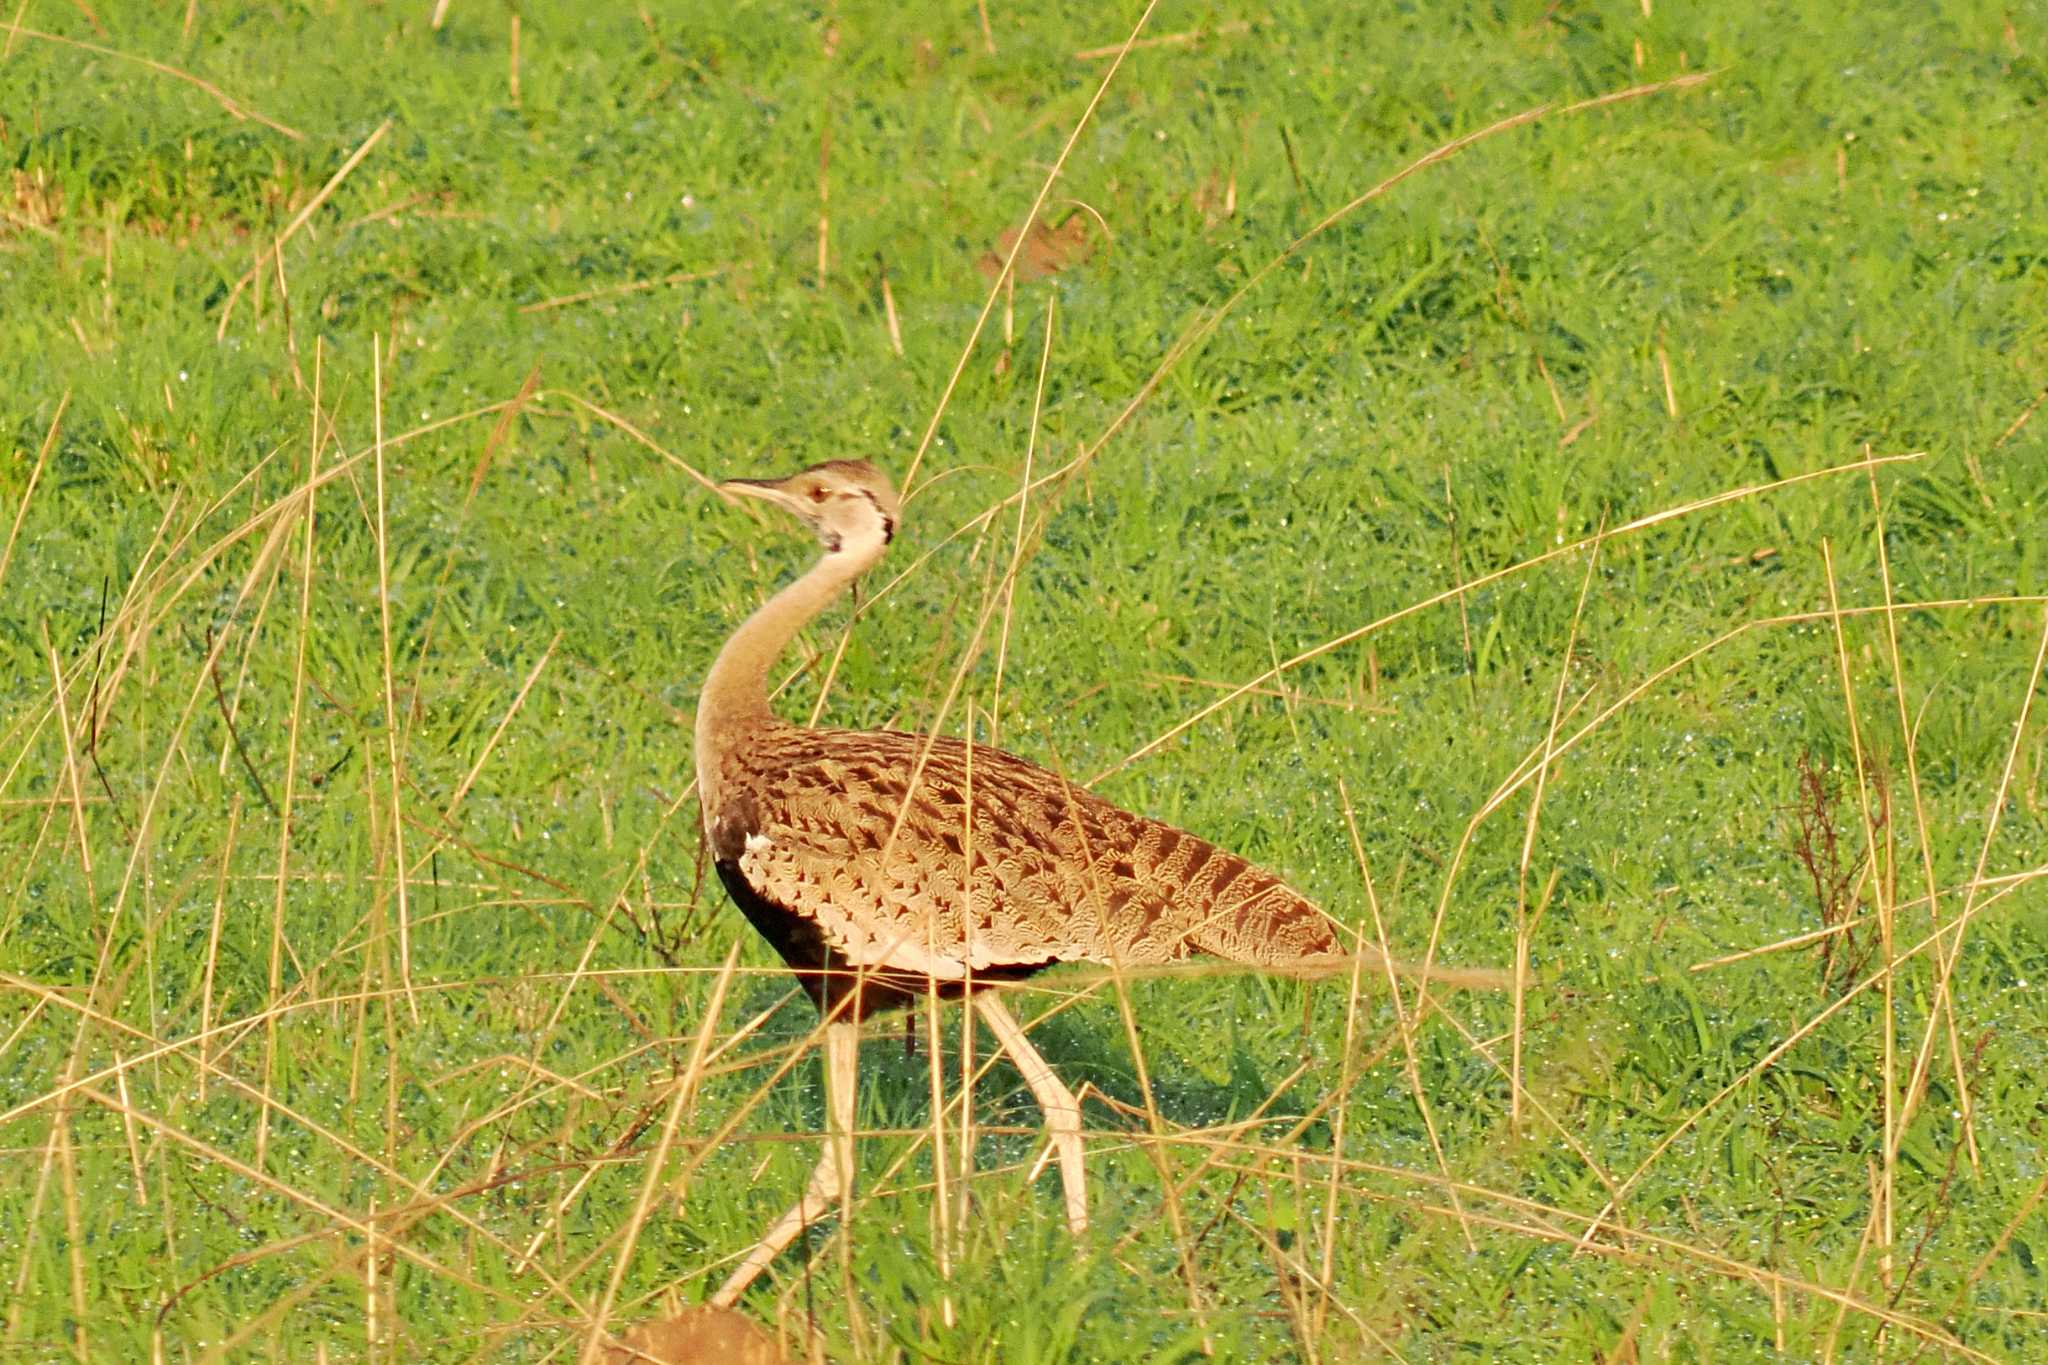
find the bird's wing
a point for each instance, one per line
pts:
(830, 825)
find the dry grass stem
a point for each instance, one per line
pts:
(393, 769)
(299, 220)
(1486, 580)
(1524, 923)
(1187, 39)
(686, 1087)
(272, 1097)
(234, 107)
(34, 477)
(1885, 1182)
(1908, 741)
(909, 479)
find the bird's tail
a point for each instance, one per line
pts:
(1280, 931)
(1373, 967)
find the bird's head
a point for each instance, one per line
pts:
(849, 504)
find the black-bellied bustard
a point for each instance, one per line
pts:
(884, 866)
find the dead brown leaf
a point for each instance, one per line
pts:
(1216, 198)
(1047, 251)
(703, 1334)
(37, 202)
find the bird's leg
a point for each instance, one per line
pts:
(1062, 1110)
(832, 1180)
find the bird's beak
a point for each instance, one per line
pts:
(768, 490)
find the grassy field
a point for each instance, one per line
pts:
(1537, 519)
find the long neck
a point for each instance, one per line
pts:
(735, 697)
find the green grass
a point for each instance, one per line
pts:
(222, 1140)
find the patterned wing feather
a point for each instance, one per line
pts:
(988, 864)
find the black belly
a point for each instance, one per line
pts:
(836, 987)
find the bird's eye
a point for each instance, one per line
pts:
(817, 494)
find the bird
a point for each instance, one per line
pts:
(886, 867)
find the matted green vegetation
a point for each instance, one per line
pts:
(264, 1097)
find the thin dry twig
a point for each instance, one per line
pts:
(1844, 947)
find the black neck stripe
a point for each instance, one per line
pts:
(888, 522)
